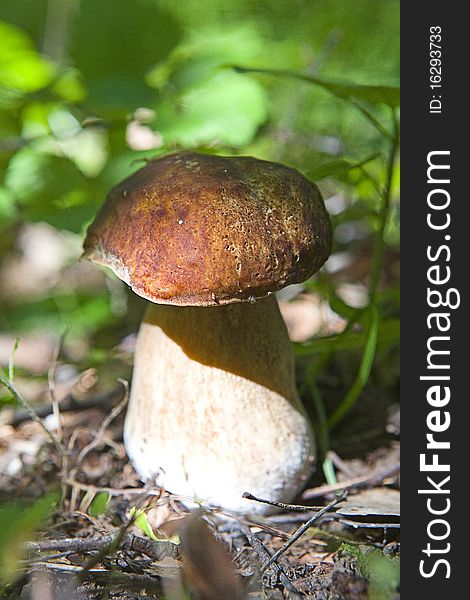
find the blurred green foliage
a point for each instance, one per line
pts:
(73, 74)
(89, 88)
(18, 524)
(99, 504)
(381, 571)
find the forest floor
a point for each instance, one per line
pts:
(76, 523)
(107, 536)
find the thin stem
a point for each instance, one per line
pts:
(375, 122)
(363, 374)
(384, 214)
(16, 395)
(52, 388)
(323, 430)
(371, 342)
(11, 363)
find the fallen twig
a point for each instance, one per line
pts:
(101, 431)
(104, 577)
(115, 542)
(278, 571)
(292, 507)
(371, 480)
(301, 530)
(296, 517)
(274, 531)
(156, 550)
(72, 475)
(367, 525)
(88, 487)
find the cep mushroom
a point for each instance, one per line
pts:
(213, 409)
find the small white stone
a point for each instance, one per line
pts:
(51, 422)
(14, 466)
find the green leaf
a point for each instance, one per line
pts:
(338, 168)
(114, 44)
(388, 335)
(228, 109)
(79, 313)
(99, 504)
(70, 86)
(194, 62)
(7, 207)
(373, 94)
(383, 573)
(36, 177)
(50, 188)
(18, 523)
(30, 15)
(359, 211)
(202, 104)
(141, 521)
(329, 471)
(22, 69)
(340, 307)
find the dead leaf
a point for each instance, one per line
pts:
(381, 501)
(207, 566)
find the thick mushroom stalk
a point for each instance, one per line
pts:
(214, 410)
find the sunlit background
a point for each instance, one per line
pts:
(90, 88)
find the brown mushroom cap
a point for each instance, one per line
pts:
(194, 229)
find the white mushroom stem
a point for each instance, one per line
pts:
(214, 410)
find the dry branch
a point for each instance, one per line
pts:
(278, 571)
(156, 550)
(372, 480)
(301, 530)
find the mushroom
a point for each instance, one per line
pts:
(213, 409)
